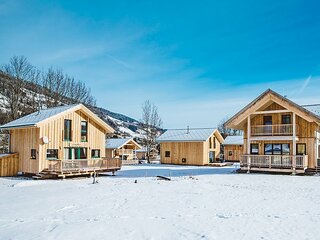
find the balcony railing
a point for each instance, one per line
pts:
(124, 151)
(84, 165)
(275, 161)
(273, 130)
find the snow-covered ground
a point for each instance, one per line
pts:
(199, 203)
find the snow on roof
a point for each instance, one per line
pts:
(36, 117)
(113, 143)
(233, 140)
(185, 135)
(314, 108)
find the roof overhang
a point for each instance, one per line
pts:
(265, 99)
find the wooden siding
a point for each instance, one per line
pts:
(237, 151)
(9, 165)
(306, 134)
(22, 141)
(195, 153)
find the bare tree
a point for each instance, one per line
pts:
(227, 131)
(151, 123)
(21, 71)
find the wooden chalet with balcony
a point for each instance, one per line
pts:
(279, 135)
(123, 149)
(61, 141)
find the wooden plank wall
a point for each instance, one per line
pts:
(22, 141)
(9, 165)
(237, 151)
(192, 151)
(196, 153)
(54, 131)
(306, 133)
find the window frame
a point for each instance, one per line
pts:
(67, 132)
(251, 145)
(93, 151)
(305, 148)
(230, 153)
(272, 148)
(283, 118)
(167, 154)
(84, 131)
(52, 158)
(33, 153)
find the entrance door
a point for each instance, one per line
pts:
(267, 122)
(212, 155)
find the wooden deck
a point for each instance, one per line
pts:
(79, 167)
(274, 163)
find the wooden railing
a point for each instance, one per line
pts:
(84, 164)
(275, 161)
(124, 151)
(273, 130)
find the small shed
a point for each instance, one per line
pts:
(191, 146)
(123, 148)
(233, 148)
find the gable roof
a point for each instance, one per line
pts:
(37, 118)
(314, 108)
(188, 135)
(114, 143)
(233, 140)
(271, 95)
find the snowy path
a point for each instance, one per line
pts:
(214, 204)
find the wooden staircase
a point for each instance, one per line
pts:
(45, 174)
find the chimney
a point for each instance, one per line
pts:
(188, 130)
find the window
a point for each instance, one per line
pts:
(33, 154)
(254, 148)
(67, 130)
(301, 149)
(285, 149)
(286, 119)
(84, 131)
(267, 120)
(167, 154)
(318, 151)
(210, 143)
(230, 153)
(52, 153)
(81, 153)
(268, 149)
(95, 153)
(277, 149)
(214, 143)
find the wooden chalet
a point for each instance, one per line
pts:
(59, 142)
(190, 146)
(142, 154)
(279, 135)
(233, 148)
(122, 148)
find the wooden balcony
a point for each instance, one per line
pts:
(276, 163)
(273, 130)
(124, 151)
(84, 165)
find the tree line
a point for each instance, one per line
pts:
(24, 89)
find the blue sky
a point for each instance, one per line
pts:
(198, 61)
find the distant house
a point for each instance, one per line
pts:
(142, 154)
(279, 135)
(122, 148)
(190, 146)
(233, 148)
(61, 141)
